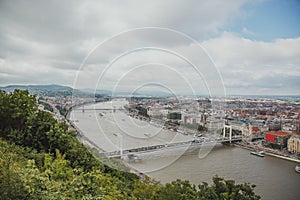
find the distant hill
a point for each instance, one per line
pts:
(41, 90)
(10, 88)
(139, 93)
(153, 93)
(60, 90)
(92, 91)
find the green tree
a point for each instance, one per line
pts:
(227, 189)
(15, 109)
(201, 128)
(145, 189)
(181, 190)
(10, 182)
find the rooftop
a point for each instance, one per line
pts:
(255, 129)
(278, 133)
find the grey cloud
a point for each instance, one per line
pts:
(249, 66)
(261, 82)
(45, 42)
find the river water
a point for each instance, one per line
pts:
(274, 178)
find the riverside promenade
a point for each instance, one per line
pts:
(269, 152)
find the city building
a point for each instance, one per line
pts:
(293, 144)
(277, 138)
(255, 130)
(298, 127)
(274, 127)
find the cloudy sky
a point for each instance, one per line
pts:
(252, 47)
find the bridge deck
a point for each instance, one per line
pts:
(194, 143)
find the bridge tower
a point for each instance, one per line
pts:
(83, 108)
(247, 132)
(230, 132)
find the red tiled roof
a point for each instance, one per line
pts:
(255, 128)
(278, 133)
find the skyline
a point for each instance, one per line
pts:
(253, 44)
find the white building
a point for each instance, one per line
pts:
(293, 144)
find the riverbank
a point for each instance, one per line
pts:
(92, 145)
(267, 151)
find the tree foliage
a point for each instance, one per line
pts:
(21, 178)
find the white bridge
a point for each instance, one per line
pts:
(195, 143)
(226, 138)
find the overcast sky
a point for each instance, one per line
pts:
(254, 45)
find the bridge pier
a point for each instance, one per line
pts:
(230, 132)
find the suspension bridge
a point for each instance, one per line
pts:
(227, 138)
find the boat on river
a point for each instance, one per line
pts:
(260, 153)
(297, 169)
(134, 158)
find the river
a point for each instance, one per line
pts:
(274, 178)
